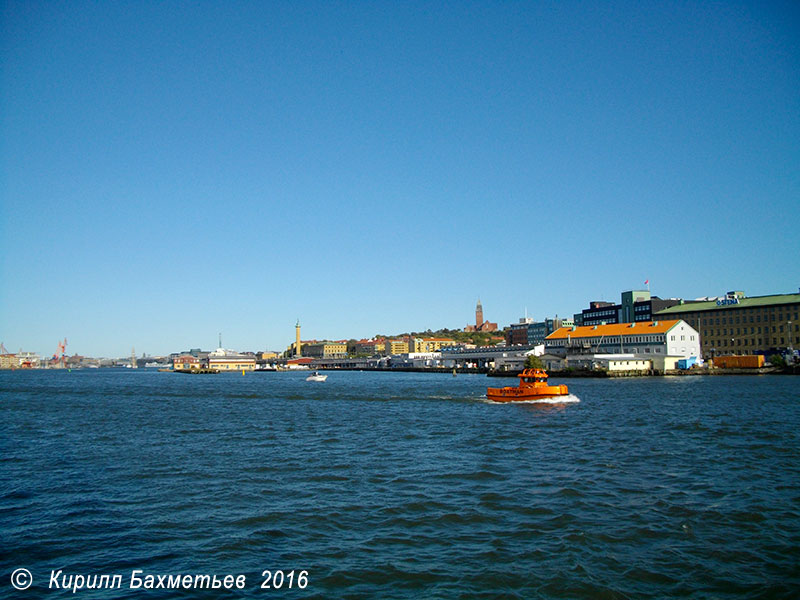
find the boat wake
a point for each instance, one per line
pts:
(568, 399)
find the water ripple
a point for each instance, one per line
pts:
(407, 485)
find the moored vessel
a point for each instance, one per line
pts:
(532, 386)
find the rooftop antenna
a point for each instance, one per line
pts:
(220, 340)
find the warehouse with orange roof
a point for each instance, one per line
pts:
(644, 345)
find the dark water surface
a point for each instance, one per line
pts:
(403, 485)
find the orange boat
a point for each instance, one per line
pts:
(532, 386)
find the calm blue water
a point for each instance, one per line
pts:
(396, 485)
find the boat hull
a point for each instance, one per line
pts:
(515, 394)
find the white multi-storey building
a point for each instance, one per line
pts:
(662, 342)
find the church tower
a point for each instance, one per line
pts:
(478, 316)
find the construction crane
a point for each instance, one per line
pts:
(3, 349)
(60, 356)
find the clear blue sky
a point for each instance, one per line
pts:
(172, 170)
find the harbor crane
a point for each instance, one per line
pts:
(60, 357)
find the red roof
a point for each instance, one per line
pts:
(299, 361)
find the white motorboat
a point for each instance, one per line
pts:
(316, 376)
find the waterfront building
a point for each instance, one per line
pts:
(635, 363)
(196, 352)
(325, 349)
(663, 342)
(486, 357)
(185, 362)
(738, 324)
(299, 363)
(9, 361)
(480, 324)
(416, 360)
(228, 360)
(635, 306)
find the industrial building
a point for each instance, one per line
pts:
(662, 343)
(737, 324)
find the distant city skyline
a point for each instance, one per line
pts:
(172, 171)
(306, 339)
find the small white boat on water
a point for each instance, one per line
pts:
(316, 376)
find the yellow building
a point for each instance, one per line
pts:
(227, 360)
(232, 363)
(268, 355)
(396, 347)
(186, 362)
(430, 344)
(9, 361)
(325, 349)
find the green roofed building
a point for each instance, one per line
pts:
(736, 324)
